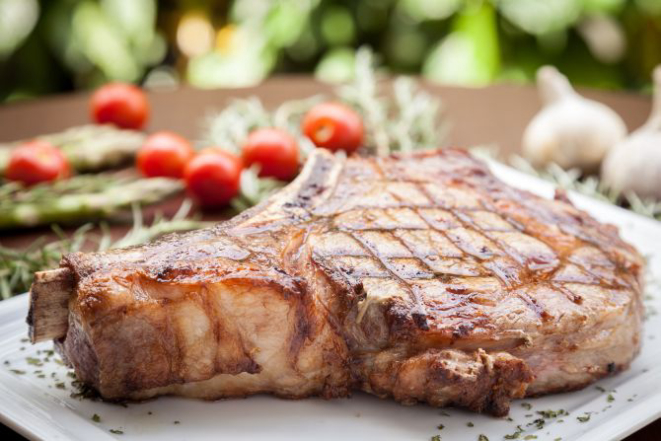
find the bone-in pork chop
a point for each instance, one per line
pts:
(419, 277)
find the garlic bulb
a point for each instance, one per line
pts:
(634, 165)
(571, 131)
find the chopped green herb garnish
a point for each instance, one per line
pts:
(528, 415)
(440, 427)
(585, 418)
(514, 435)
(34, 361)
(552, 413)
(482, 438)
(96, 418)
(60, 385)
(470, 424)
(24, 340)
(444, 413)
(558, 439)
(41, 376)
(6, 362)
(150, 413)
(17, 371)
(117, 431)
(600, 389)
(436, 438)
(526, 406)
(610, 398)
(539, 423)
(177, 422)
(530, 437)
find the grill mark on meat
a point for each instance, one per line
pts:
(575, 298)
(534, 306)
(419, 313)
(570, 229)
(562, 257)
(527, 300)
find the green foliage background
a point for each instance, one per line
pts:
(49, 46)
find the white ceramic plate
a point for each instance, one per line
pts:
(39, 409)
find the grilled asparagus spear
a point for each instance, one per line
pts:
(79, 199)
(88, 148)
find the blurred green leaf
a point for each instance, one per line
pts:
(603, 6)
(102, 43)
(285, 22)
(51, 45)
(337, 26)
(421, 10)
(17, 19)
(470, 55)
(248, 61)
(135, 18)
(336, 66)
(541, 17)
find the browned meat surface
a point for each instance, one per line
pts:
(422, 278)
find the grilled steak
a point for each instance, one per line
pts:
(418, 277)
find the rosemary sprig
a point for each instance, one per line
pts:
(402, 118)
(254, 189)
(230, 127)
(17, 267)
(590, 186)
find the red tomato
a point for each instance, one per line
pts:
(37, 161)
(274, 150)
(213, 177)
(334, 126)
(123, 105)
(164, 154)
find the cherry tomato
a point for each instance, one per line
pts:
(213, 177)
(123, 105)
(164, 154)
(274, 150)
(37, 161)
(334, 126)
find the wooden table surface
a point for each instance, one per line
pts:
(493, 115)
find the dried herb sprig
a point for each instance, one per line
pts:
(590, 186)
(230, 127)
(17, 267)
(402, 118)
(254, 189)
